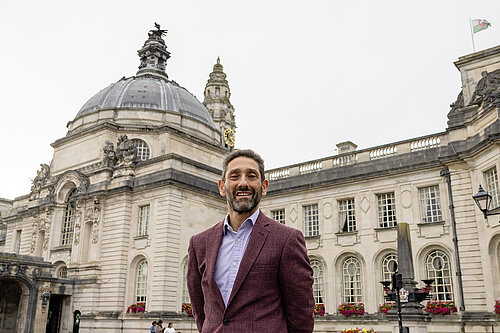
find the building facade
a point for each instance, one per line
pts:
(106, 225)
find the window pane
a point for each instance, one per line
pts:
(142, 149)
(430, 204)
(492, 184)
(143, 220)
(311, 220)
(386, 205)
(317, 268)
(185, 292)
(142, 282)
(347, 216)
(279, 215)
(69, 219)
(438, 268)
(351, 281)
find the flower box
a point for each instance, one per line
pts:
(350, 309)
(440, 307)
(358, 330)
(186, 307)
(497, 307)
(384, 308)
(137, 308)
(319, 309)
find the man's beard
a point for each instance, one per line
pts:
(243, 205)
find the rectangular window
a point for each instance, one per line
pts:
(347, 217)
(311, 220)
(279, 215)
(17, 242)
(143, 221)
(492, 187)
(430, 204)
(386, 205)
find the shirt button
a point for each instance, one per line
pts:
(225, 322)
(234, 264)
(239, 240)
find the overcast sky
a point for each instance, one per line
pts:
(304, 75)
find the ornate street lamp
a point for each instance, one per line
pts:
(483, 201)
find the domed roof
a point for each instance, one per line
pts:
(148, 92)
(150, 89)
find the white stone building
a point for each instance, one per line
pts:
(107, 224)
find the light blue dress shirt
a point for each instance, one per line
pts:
(230, 254)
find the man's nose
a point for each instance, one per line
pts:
(243, 181)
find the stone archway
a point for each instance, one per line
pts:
(11, 305)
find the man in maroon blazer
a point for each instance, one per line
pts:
(249, 273)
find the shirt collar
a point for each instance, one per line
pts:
(252, 218)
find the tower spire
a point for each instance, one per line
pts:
(216, 100)
(154, 54)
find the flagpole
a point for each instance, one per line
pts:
(472, 35)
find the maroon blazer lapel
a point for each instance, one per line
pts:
(214, 242)
(257, 239)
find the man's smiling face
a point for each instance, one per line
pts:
(242, 185)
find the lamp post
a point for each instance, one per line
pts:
(483, 201)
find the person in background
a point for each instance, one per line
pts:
(153, 327)
(170, 328)
(159, 327)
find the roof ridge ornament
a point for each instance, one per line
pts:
(154, 54)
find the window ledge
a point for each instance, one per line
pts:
(386, 228)
(346, 233)
(430, 223)
(61, 248)
(312, 237)
(141, 237)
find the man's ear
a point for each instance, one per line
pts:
(222, 190)
(265, 185)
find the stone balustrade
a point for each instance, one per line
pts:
(359, 156)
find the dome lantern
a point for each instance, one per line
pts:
(154, 54)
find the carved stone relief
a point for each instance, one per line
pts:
(93, 215)
(364, 205)
(109, 158)
(41, 178)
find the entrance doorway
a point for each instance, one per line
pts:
(54, 314)
(10, 299)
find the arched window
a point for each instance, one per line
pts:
(351, 281)
(62, 272)
(317, 268)
(389, 266)
(141, 288)
(69, 219)
(185, 293)
(142, 149)
(438, 268)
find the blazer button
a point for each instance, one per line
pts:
(225, 322)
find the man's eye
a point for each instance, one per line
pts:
(233, 177)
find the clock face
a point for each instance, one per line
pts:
(229, 137)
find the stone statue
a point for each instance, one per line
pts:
(125, 151)
(41, 177)
(109, 158)
(487, 89)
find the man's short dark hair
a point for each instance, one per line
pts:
(154, 322)
(243, 153)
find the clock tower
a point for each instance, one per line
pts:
(216, 100)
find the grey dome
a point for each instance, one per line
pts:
(148, 92)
